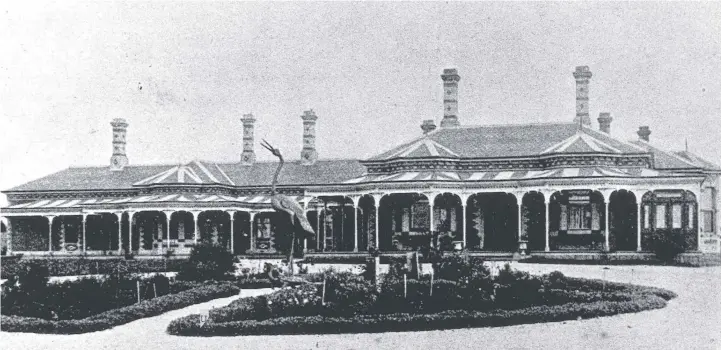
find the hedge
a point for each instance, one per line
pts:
(191, 325)
(122, 315)
(254, 283)
(689, 259)
(584, 284)
(85, 266)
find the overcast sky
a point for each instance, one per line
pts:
(371, 71)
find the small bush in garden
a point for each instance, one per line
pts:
(555, 280)
(515, 289)
(350, 293)
(207, 261)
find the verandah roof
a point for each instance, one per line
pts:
(581, 172)
(169, 200)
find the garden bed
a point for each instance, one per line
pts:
(464, 295)
(123, 315)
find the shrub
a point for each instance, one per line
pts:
(667, 245)
(119, 316)
(515, 289)
(350, 294)
(555, 280)
(207, 262)
(25, 293)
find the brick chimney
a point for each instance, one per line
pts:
(308, 155)
(604, 122)
(450, 98)
(119, 159)
(428, 126)
(248, 155)
(643, 133)
(582, 76)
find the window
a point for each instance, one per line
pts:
(579, 217)
(660, 216)
(419, 217)
(264, 228)
(676, 216)
(442, 223)
(708, 221)
(405, 222)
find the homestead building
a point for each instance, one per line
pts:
(493, 189)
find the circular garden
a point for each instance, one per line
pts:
(460, 293)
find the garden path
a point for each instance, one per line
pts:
(691, 321)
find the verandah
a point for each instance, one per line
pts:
(491, 221)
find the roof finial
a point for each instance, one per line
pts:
(686, 144)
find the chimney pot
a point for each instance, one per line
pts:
(119, 159)
(450, 79)
(582, 74)
(428, 126)
(604, 122)
(643, 132)
(308, 155)
(248, 155)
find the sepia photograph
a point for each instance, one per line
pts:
(360, 175)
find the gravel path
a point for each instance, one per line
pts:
(691, 321)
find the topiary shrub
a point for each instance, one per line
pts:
(207, 261)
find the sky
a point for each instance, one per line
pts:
(183, 74)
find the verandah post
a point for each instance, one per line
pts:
(84, 222)
(50, 232)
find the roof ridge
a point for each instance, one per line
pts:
(502, 124)
(294, 161)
